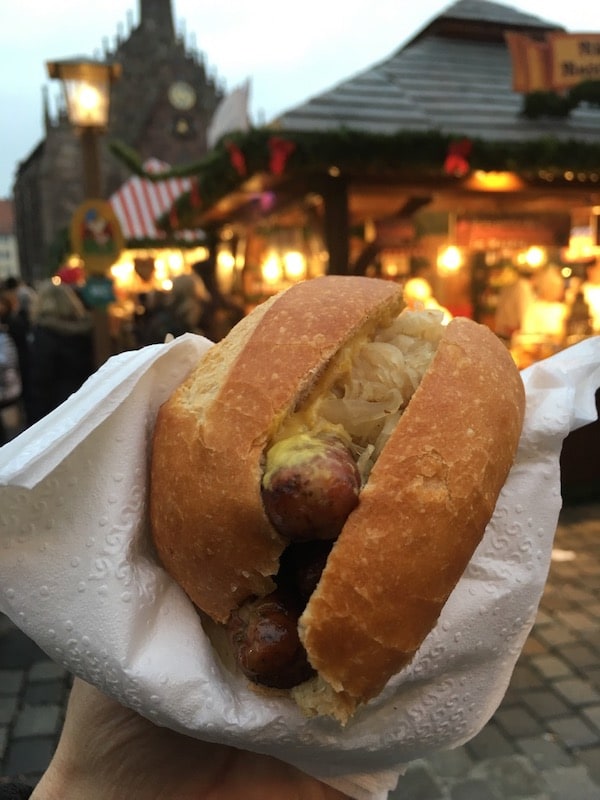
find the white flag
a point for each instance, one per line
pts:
(231, 115)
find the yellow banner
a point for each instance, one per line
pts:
(560, 62)
(575, 57)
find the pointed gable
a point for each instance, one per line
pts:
(454, 76)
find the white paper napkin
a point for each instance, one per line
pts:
(78, 575)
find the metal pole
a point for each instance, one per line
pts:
(91, 163)
(92, 190)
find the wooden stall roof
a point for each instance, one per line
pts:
(454, 76)
(389, 128)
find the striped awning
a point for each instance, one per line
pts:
(140, 202)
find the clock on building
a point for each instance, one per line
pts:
(181, 96)
(183, 127)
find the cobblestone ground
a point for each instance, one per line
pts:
(543, 743)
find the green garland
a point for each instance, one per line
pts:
(551, 104)
(406, 155)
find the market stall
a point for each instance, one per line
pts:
(443, 161)
(434, 160)
(151, 258)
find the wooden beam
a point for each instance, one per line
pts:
(372, 249)
(334, 191)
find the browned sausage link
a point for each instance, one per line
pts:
(264, 635)
(301, 565)
(310, 486)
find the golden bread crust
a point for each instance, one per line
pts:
(207, 518)
(421, 515)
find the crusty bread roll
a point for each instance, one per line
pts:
(427, 496)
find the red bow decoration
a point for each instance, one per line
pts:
(456, 162)
(280, 150)
(238, 162)
(195, 197)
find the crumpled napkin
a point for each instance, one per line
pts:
(78, 576)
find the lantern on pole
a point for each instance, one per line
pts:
(86, 86)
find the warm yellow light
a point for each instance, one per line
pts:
(167, 285)
(581, 245)
(534, 256)
(74, 261)
(161, 270)
(86, 85)
(450, 259)
(225, 267)
(294, 265)
(494, 181)
(175, 262)
(225, 260)
(417, 292)
(196, 254)
(271, 269)
(122, 272)
(390, 268)
(88, 98)
(370, 231)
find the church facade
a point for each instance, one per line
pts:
(160, 107)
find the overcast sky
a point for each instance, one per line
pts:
(289, 51)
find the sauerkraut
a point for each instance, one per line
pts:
(367, 387)
(368, 397)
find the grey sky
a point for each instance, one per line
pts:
(288, 54)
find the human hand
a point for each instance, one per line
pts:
(108, 752)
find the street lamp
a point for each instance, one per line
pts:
(86, 85)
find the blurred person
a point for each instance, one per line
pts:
(187, 303)
(175, 312)
(107, 752)
(513, 302)
(578, 324)
(61, 349)
(17, 319)
(23, 293)
(150, 319)
(546, 315)
(418, 295)
(591, 292)
(10, 375)
(221, 311)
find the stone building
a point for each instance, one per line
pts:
(160, 107)
(9, 256)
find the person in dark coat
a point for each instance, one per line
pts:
(173, 313)
(10, 373)
(222, 311)
(62, 347)
(15, 317)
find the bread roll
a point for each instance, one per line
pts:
(427, 495)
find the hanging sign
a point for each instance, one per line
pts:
(515, 232)
(559, 62)
(98, 292)
(575, 57)
(96, 236)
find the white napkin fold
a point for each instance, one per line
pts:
(78, 575)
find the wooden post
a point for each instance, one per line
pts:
(334, 191)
